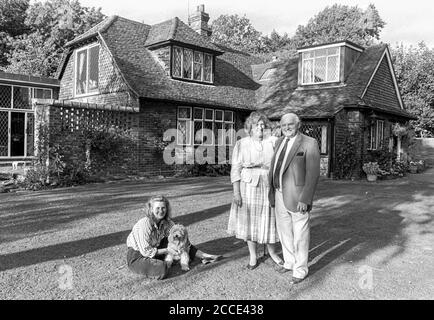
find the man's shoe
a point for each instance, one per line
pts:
(296, 280)
(283, 270)
(250, 267)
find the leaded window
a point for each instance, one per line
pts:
(376, 135)
(192, 65)
(320, 65)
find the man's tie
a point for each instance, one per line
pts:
(278, 165)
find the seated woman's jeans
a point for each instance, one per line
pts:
(155, 268)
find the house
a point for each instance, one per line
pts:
(340, 91)
(17, 115)
(148, 79)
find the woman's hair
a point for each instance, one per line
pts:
(150, 202)
(254, 118)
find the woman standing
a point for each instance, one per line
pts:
(251, 218)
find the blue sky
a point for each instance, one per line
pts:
(408, 22)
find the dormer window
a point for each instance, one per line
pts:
(192, 65)
(320, 65)
(87, 70)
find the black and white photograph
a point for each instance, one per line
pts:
(226, 151)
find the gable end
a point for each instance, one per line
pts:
(382, 87)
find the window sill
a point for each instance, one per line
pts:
(193, 81)
(86, 95)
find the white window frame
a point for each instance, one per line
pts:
(376, 143)
(26, 113)
(87, 49)
(203, 54)
(303, 54)
(191, 120)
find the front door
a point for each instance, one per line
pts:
(17, 134)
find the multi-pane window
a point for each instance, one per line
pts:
(192, 65)
(320, 65)
(377, 135)
(17, 119)
(319, 132)
(202, 126)
(87, 70)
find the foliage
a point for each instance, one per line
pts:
(414, 68)
(399, 130)
(237, 32)
(371, 168)
(346, 160)
(12, 17)
(73, 157)
(49, 26)
(389, 166)
(341, 22)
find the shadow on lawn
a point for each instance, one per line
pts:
(21, 215)
(81, 247)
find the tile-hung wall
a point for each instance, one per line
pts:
(17, 119)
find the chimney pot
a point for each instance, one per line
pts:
(201, 8)
(198, 21)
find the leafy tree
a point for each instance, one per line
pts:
(12, 16)
(51, 25)
(237, 32)
(341, 22)
(275, 42)
(414, 68)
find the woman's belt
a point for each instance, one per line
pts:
(258, 166)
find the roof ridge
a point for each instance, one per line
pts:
(173, 28)
(133, 21)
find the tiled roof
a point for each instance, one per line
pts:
(14, 77)
(233, 85)
(282, 94)
(176, 30)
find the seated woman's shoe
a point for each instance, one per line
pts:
(211, 258)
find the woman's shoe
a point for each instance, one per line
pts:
(250, 267)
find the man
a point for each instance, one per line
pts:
(293, 177)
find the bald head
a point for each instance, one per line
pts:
(290, 123)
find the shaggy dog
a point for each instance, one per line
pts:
(178, 240)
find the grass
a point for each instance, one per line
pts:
(368, 241)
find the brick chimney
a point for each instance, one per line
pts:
(198, 21)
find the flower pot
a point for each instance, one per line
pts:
(371, 177)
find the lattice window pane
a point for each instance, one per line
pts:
(22, 98)
(30, 134)
(332, 68)
(207, 68)
(332, 51)
(218, 115)
(81, 72)
(198, 133)
(208, 135)
(229, 134)
(4, 135)
(5, 96)
(320, 69)
(198, 65)
(198, 113)
(320, 53)
(317, 131)
(187, 63)
(229, 116)
(308, 71)
(218, 132)
(183, 132)
(93, 69)
(177, 65)
(209, 114)
(184, 113)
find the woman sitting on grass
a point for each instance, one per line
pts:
(147, 242)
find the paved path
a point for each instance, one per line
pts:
(368, 241)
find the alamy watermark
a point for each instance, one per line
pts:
(66, 278)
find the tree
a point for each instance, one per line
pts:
(12, 16)
(341, 22)
(237, 32)
(414, 68)
(51, 25)
(275, 42)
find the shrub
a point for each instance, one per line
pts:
(371, 168)
(346, 160)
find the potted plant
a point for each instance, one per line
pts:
(371, 169)
(413, 167)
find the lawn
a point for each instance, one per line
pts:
(368, 241)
